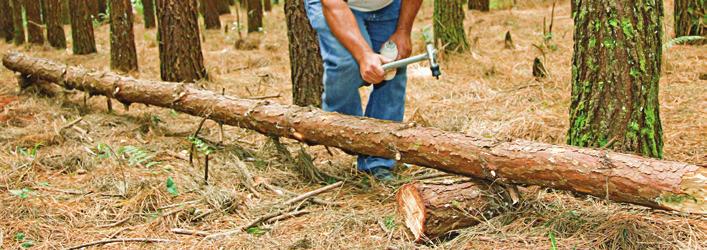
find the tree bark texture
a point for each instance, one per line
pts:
(148, 13)
(17, 22)
(34, 21)
(615, 76)
(65, 12)
(255, 15)
(222, 6)
(83, 41)
(181, 59)
(7, 28)
(209, 10)
(431, 211)
(690, 19)
(55, 28)
(267, 5)
(614, 176)
(448, 25)
(482, 5)
(306, 66)
(103, 6)
(123, 56)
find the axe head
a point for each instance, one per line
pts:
(432, 57)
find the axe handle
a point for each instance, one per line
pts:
(404, 62)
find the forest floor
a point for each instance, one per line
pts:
(63, 187)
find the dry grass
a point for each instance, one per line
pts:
(76, 196)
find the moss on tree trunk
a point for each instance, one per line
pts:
(181, 59)
(449, 25)
(690, 19)
(209, 10)
(305, 62)
(17, 22)
(123, 56)
(7, 30)
(148, 13)
(255, 15)
(55, 29)
(615, 76)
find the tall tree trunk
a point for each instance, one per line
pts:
(180, 46)
(34, 21)
(123, 56)
(449, 25)
(7, 29)
(65, 12)
(267, 5)
(620, 177)
(209, 10)
(222, 7)
(148, 13)
(55, 29)
(92, 6)
(18, 22)
(81, 28)
(103, 7)
(255, 15)
(306, 66)
(615, 76)
(691, 19)
(482, 5)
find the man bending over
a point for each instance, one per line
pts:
(351, 34)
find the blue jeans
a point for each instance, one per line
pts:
(342, 78)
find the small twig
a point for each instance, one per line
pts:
(264, 97)
(220, 124)
(109, 104)
(247, 177)
(178, 204)
(124, 240)
(73, 192)
(195, 135)
(281, 192)
(250, 224)
(287, 215)
(176, 155)
(313, 193)
(117, 223)
(189, 232)
(206, 169)
(70, 124)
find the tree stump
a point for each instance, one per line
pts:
(433, 211)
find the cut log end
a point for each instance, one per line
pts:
(434, 211)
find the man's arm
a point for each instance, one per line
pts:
(401, 37)
(343, 25)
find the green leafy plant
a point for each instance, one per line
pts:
(201, 146)
(137, 156)
(104, 151)
(20, 237)
(553, 241)
(257, 231)
(23, 193)
(172, 187)
(29, 152)
(389, 222)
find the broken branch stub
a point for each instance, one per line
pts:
(620, 177)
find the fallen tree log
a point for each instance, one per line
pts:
(620, 177)
(432, 211)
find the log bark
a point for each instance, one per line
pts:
(615, 176)
(123, 55)
(306, 66)
(432, 211)
(17, 22)
(148, 13)
(82, 36)
(55, 28)
(7, 29)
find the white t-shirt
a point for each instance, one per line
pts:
(368, 5)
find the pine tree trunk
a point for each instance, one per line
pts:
(222, 6)
(92, 8)
(65, 12)
(690, 18)
(17, 22)
(482, 5)
(180, 46)
(148, 13)
(81, 28)
(103, 7)
(255, 15)
(123, 56)
(209, 10)
(267, 5)
(34, 21)
(615, 76)
(449, 25)
(306, 66)
(55, 29)
(7, 29)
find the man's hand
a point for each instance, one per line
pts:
(404, 43)
(371, 67)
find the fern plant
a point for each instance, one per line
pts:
(200, 145)
(137, 156)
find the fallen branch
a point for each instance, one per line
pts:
(281, 191)
(250, 224)
(124, 240)
(189, 232)
(615, 176)
(315, 192)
